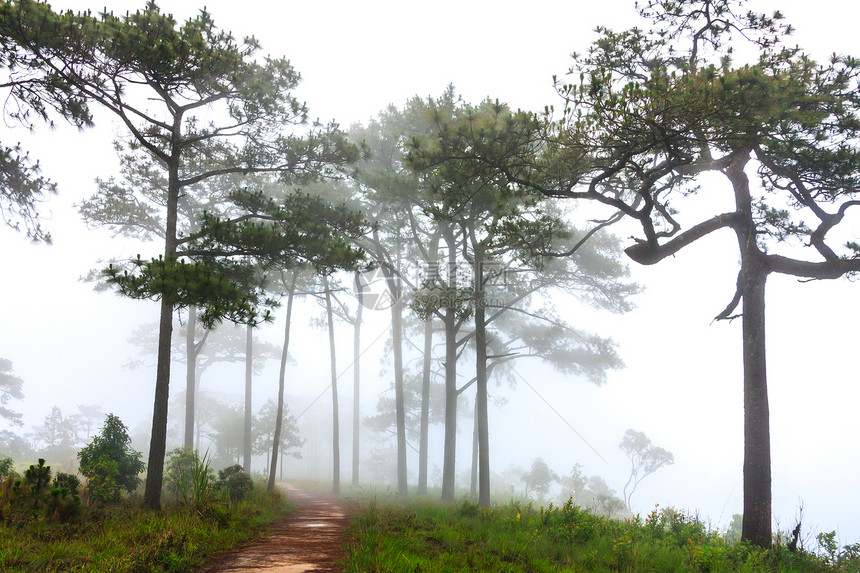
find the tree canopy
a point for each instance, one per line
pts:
(197, 104)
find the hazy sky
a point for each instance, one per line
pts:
(682, 383)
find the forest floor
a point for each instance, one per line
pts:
(308, 539)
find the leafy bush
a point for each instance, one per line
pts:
(67, 481)
(110, 463)
(103, 485)
(6, 466)
(234, 482)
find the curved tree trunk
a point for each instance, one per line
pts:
(279, 418)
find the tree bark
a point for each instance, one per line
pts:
(423, 442)
(757, 471)
(335, 419)
(481, 410)
(450, 322)
(399, 401)
(158, 436)
(473, 482)
(247, 442)
(752, 280)
(190, 376)
(279, 418)
(356, 385)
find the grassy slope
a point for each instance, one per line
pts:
(130, 538)
(428, 538)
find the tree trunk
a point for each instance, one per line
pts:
(757, 474)
(757, 471)
(356, 384)
(473, 482)
(335, 420)
(399, 401)
(190, 376)
(279, 418)
(450, 321)
(423, 442)
(158, 437)
(481, 412)
(247, 444)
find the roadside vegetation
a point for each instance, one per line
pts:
(429, 537)
(96, 521)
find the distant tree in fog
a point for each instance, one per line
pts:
(539, 479)
(516, 244)
(645, 459)
(289, 443)
(10, 387)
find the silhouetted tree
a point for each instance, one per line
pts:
(645, 459)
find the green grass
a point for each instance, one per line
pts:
(426, 537)
(127, 537)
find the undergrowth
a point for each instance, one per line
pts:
(128, 538)
(425, 537)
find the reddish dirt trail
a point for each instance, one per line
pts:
(309, 539)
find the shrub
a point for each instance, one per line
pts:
(62, 505)
(103, 485)
(36, 480)
(189, 477)
(110, 463)
(67, 481)
(234, 482)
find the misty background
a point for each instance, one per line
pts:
(682, 381)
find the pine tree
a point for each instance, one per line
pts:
(182, 92)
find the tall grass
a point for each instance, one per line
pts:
(129, 538)
(429, 537)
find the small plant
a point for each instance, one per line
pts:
(189, 477)
(234, 482)
(62, 505)
(36, 480)
(827, 542)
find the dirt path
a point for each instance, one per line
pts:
(309, 539)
